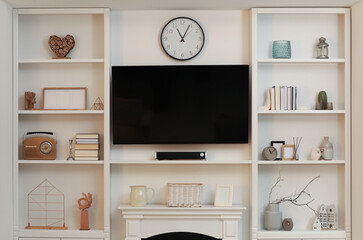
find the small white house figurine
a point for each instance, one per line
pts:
(323, 217)
(332, 217)
(315, 153)
(317, 225)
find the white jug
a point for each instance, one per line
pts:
(139, 195)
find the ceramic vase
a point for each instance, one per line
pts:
(273, 217)
(281, 49)
(327, 150)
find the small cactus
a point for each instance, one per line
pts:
(322, 99)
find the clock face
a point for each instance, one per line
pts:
(182, 38)
(269, 153)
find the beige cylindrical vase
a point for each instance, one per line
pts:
(273, 217)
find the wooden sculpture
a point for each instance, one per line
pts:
(30, 100)
(85, 203)
(61, 47)
(98, 105)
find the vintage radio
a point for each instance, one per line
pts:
(39, 146)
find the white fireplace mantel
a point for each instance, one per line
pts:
(218, 222)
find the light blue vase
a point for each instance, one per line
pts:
(281, 49)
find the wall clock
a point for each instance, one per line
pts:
(182, 38)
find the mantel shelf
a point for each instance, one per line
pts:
(160, 209)
(301, 162)
(179, 162)
(292, 112)
(33, 61)
(51, 112)
(61, 233)
(279, 60)
(298, 234)
(66, 162)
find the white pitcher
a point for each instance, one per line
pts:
(139, 195)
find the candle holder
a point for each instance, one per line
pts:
(322, 49)
(70, 157)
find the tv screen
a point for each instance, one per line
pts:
(180, 104)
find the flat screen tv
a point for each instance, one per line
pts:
(180, 104)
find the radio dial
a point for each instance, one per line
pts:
(46, 147)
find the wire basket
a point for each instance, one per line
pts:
(185, 194)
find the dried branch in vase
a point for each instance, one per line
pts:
(296, 197)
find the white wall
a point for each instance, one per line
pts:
(357, 120)
(135, 41)
(6, 222)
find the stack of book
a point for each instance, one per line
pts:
(87, 146)
(283, 98)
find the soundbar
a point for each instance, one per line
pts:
(181, 155)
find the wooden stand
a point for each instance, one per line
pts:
(87, 201)
(84, 220)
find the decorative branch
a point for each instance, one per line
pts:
(295, 197)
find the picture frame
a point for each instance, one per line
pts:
(72, 98)
(288, 152)
(224, 195)
(278, 145)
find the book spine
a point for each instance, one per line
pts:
(86, 158)
(87, 136)
(87, 146)
(295, 105)
(277, 97)
(293, 89)
(289, 93)
(282, 97)
(272, 95)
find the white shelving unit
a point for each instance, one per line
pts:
(34, 69)
(303, 27)
(241, 165)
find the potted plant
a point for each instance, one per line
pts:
(273, 215)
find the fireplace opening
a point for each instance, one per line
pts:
(181, 236)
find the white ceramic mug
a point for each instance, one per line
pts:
(139, 195)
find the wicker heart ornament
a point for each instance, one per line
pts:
(61, 47)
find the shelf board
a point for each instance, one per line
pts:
(292, 112)
(51, 112)
(301, 162)
(66, 162)
(61, 233)
(179, 162)
(90, 60)
(299, 234)
(283, 60)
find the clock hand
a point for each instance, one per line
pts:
(182, 39)
(185, 32)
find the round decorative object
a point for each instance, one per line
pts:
(281, 49)
(45, 147)
(61, 47)
(182, 38)
(315, 153)
(287, 224)
(269, 153)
